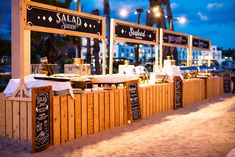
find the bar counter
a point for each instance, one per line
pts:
(93, 112)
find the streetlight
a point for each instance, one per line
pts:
(181, 20)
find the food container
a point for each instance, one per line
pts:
(72, 69)
(78, 60)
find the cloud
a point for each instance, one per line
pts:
(202, 17)
(215, 5)
(174, 5)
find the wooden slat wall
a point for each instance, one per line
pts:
(2, 115)
(93, 112)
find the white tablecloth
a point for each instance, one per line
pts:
(31, 82)
(172, 71)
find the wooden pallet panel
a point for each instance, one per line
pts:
(101, 110)
(96, 113)
(168, 97)
(56, 119)
(154, 100)
(9, 119)
(172, 96)
(144, 102)
(23, 121)
(90, 114)
(117, 109)
(158, 98)
(107, 110)
(71, 120)
(84, 114)
(161, 98)
(125, 107)
(140, 94)
(29, 121)
(2, 115)
(64, 119)
(164, 97)
(112, 108)
(78, 116)
(148, 102)
(16, 120)
(121, 102)
(151, 101)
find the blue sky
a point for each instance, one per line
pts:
(211, 19)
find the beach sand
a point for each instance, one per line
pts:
(206, 129)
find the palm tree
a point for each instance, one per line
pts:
(107, 15)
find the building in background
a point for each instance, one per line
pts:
(147, 54)
(200, 57)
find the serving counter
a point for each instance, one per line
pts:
(93, 112)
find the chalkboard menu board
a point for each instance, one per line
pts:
(178, 85)
(133, 100)
(41, 118)
(43, 17)
(227, 82)
(133, 32)
(175, 39)
(200, 43)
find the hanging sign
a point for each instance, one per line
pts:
(130, 32)
(199, 43)
(41, 118)
(174, 39)
(58, 20)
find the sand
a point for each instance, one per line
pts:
(206, 129)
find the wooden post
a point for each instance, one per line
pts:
(111, 47)
(156, 57)
(20, 49)
(104, 47)
(190, 51)
(161, 42)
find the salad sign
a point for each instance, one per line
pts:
(201, 43)
(174, 39)
(133, 100)
(135, 32)
(178, 83)
(61, 20)
(41, 118)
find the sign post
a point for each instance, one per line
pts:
(51, 19)
(133, 33)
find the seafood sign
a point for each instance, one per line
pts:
(135, 33)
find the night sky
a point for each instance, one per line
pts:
(211, 19)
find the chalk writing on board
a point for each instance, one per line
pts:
(132, 88)
(178, 93)
(227, 83)
(41, 118)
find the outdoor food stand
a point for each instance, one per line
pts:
(70, 116)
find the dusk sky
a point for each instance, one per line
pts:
(211, 19)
